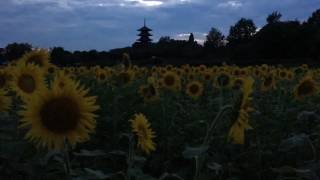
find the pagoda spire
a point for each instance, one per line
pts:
(144, 35)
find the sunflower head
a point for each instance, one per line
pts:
(28, 79)
(141, 127)
(37, 57)
(101, 75)
(306, 87)
(240, 114)
(194, 89)
(125, 77)
(149, 92)
(223, 80)
(171, 81)
(268, 82)
(56, 115)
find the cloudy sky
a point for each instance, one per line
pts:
(107, 24)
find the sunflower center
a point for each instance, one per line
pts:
(306, 88)
(237, 84)
(27, 83)
(283, 74)
(37, 60)
(169, 80)
(60, 115)
(142, 130)
(268, 81)
(102, 76)
(194, 88)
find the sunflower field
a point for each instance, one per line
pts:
(145, 123)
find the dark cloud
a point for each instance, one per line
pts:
(106, 24)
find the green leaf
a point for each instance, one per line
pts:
(191, 152)
(87, 153)
(97, 174)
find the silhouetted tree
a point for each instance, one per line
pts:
(242, 31)
(16, 50)
(59, 56)
(191, 38)
(164, 39)
(214, 39)
(315, 18)
(274, 17)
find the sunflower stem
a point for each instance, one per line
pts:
(214, 123)
(67, 157)
(130, 156)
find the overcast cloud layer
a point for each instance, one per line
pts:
(107, 24)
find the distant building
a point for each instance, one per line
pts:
(144, 36)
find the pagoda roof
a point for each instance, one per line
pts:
(144, 28)
(144, 34)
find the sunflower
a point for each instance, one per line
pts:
(241, 113)
(125, 77)
(52, 69)
(56, 115)
(61, 81)
(101, 75)
(207, 76)
(237, 83)
(194, 89)
(223, 80)
(28, 79)
(141, 127)
(5, 101)
(171, 81)
(268, 82)
(149, 92)
(37, 57)
(306, 87)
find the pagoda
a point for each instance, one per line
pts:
(144, 34)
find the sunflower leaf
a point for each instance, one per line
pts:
(191, 152)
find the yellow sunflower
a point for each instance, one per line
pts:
(28, 79)
(171, 80)
(37, 57)
(268, 82)
(51, 69)
(223, 80)
(5, 101)
(306, 87)
(241, 114)
(238, 83)
(141, 127)
(125, 77)
(56, 115)
(194, 89)
(149, 92)
(101, 75)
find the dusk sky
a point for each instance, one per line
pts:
(107, 24)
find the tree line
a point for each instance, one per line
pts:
(285, 42)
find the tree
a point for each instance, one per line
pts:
(214, 39)
(315, 18)
(191, 38)
(274, 17)
(16, 50)
(242, 31)
(164, 39)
